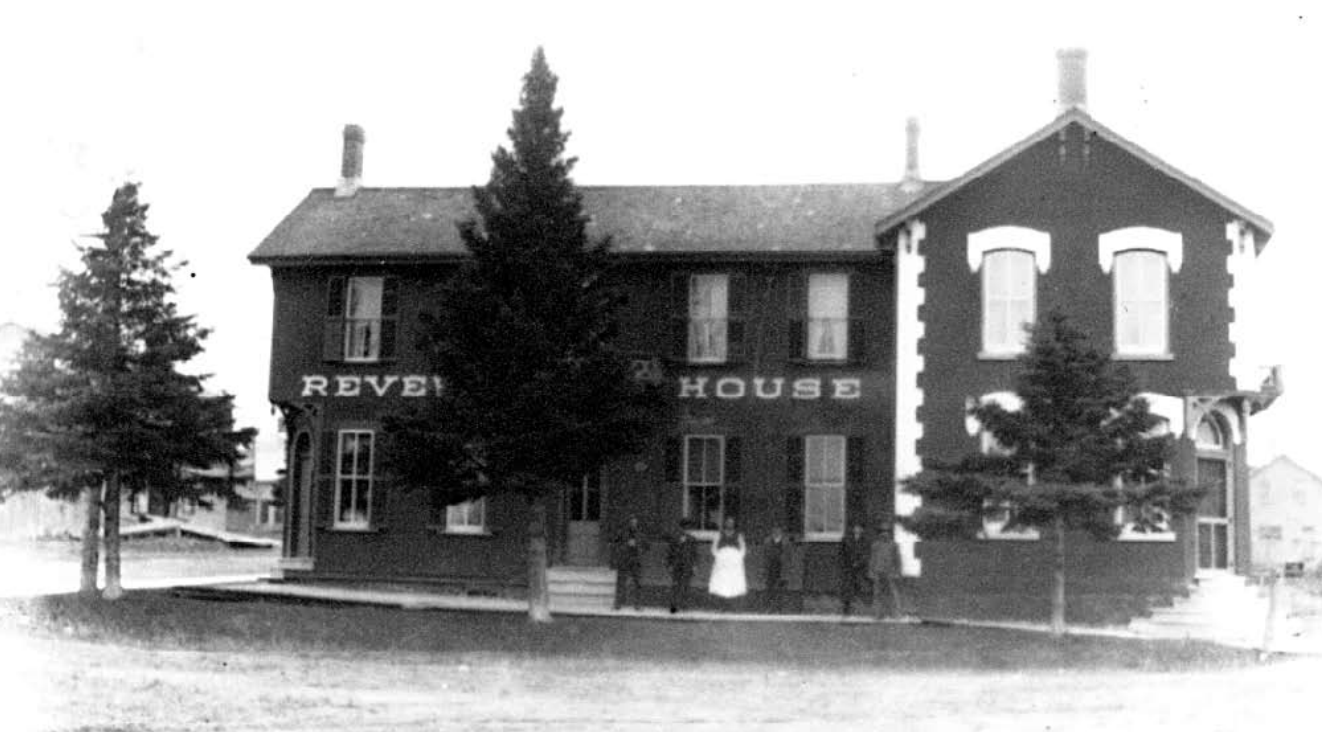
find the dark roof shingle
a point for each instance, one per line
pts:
(413, 223)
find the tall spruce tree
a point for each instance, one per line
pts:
(1081, 447)
(100, 407)
(536, 394)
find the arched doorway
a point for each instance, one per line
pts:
(1215, 471)
(297, 525)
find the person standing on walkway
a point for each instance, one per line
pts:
(884, 569)
(629, 565)
(727, 580)
(854, 555)
(681, 558)
(777, 550)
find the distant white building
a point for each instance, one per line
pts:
(1286, 515)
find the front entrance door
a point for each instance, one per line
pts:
(1214, 548)
(583, 532)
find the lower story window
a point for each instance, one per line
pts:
(824, 486)
(704, 481)
(469, 517)
(353, 479)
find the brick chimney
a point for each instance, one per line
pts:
(911, 181)
(351, 162)
(1072, 82)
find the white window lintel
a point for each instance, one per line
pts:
(1170, 243)
(1037, 243)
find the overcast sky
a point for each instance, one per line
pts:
(228, 113)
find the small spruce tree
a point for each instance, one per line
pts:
(536, 395)
(100, 407)
(1081, 448)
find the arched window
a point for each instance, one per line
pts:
(1212, 438)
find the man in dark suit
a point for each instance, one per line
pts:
(854, 554)
(777, 556)
(681, 558)
(629, 547)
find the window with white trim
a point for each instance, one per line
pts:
(704, 481)
(995, 520)
(824, 478)
(1009, 301)
(361, 318)
(709, 303)
(1156, 518)
(828, 317)
(468, 517)
(1141, 303)
(353, 479)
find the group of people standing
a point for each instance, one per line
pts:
(862, 562)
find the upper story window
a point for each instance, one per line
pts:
(1010, 258)
(1140, 304)
(353, 479)
(823, 326)
(361, 317)
(1009, 301)
(1140, 259)
(708, 317)
(828, 317)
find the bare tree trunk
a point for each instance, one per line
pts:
(539, 598)
(91, 539)
(1058, 576)
(113, 590)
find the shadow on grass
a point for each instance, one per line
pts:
(160, 619)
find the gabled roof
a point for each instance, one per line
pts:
(420, 223)
(1075, 116)
(1285, 461)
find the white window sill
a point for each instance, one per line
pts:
(374, 359)
(353, 528)
(451, 531)
(1000, 355)
(823, 538)
(1161, 537)
(986, 535)
(1142, 357)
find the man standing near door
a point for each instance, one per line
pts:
(628, 552)
(681, 557)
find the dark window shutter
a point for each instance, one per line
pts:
(733, 460)
(332, 345)
(737, 318)
(389, 316)
(796, 311)
(731, 504)
(679, 316)
(335, 298)
(380, 500)
(323, 509)
(674, 456)
(794, 508)
(858, 341)
(794, 460)
(855, 459)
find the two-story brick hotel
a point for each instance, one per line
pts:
(818, 342)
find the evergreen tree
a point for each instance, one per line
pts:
(1081, 448)
(536, 395)
(100, 407)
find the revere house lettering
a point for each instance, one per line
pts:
(734, 387)
(373, 385)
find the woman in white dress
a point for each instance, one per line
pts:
(727, 572)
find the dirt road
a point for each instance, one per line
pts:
(58, 684)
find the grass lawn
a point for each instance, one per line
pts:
(159, 619)
(155, 661)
